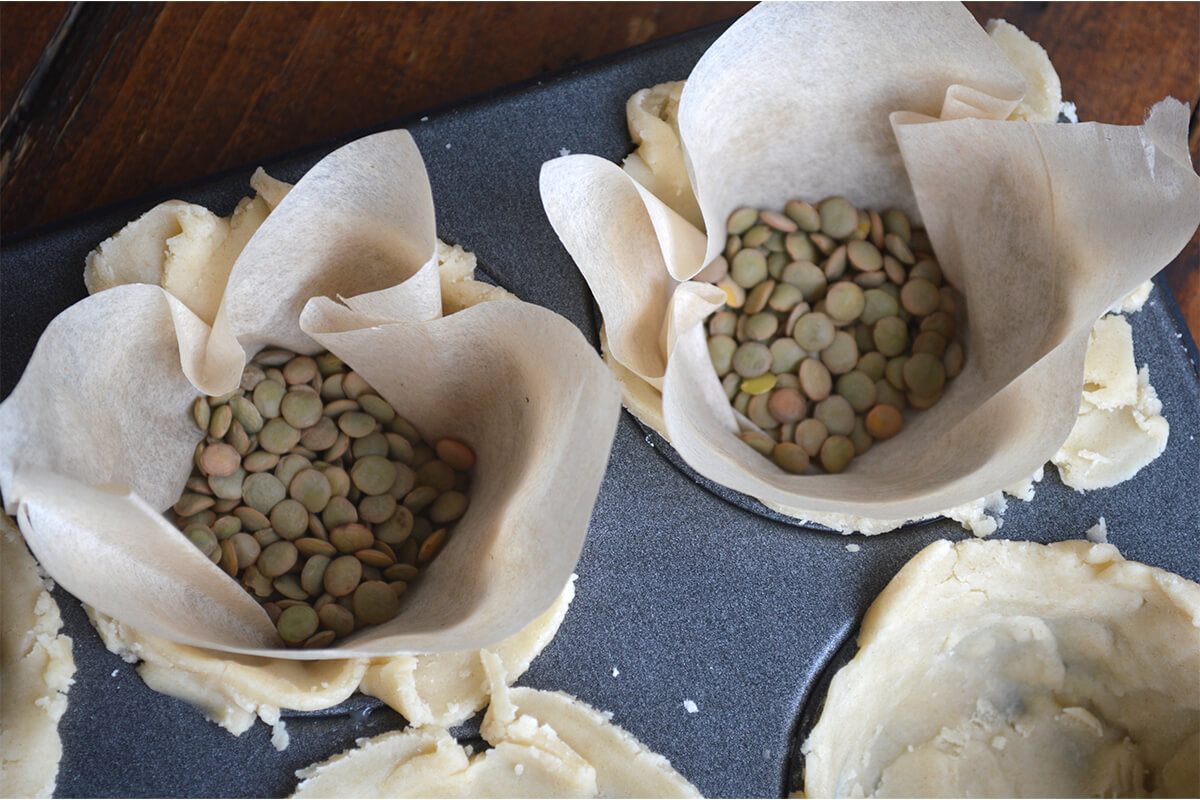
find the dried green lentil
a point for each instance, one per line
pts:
(823, 298)
(286, 458)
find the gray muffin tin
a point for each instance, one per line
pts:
(689, 591)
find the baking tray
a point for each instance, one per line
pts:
(689, 592)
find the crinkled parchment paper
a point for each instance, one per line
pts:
(97, 439)
(1040, 226)
(183, 245)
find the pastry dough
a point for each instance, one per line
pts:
(36, 669)
(185, 248)
(1043, 92)
(775, 108)
(232, 690)
(1120, 428)
(1017, 669)
(447, 688)
(657, 163)
(543, 744)
(1110, 443)
(981, 517)
(189, 251)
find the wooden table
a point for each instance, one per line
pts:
(104, 102)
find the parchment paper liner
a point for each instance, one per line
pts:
(97, 436)
(1040, 226)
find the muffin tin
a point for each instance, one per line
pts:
(686, 591)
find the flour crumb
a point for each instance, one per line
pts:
(114, 674)
(448, 145)
(424, 119)
(562, 151)
(615, 672)
(690, 706)
(1069, 111)
(518, 768)
(1098, 533)
(279, 736)
(853, 548)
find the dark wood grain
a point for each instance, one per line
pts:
(142, 96)
(149, 95)
(23, 37)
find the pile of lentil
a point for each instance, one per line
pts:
(320, 499)
(837, 320)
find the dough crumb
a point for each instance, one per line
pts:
(852, 548)
(690, 706)
(562, 151)
(280, 738)
(1098, 533)
(615, 672)
(518, 768)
